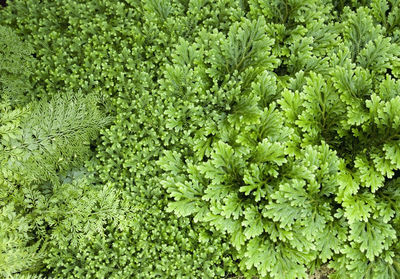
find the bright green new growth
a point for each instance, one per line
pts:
(251, 138)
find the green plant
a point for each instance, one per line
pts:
(254, 139)
(39, 142)
(15, 67)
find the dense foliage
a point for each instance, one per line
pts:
(199, 139)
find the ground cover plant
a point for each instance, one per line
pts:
(200, 139)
